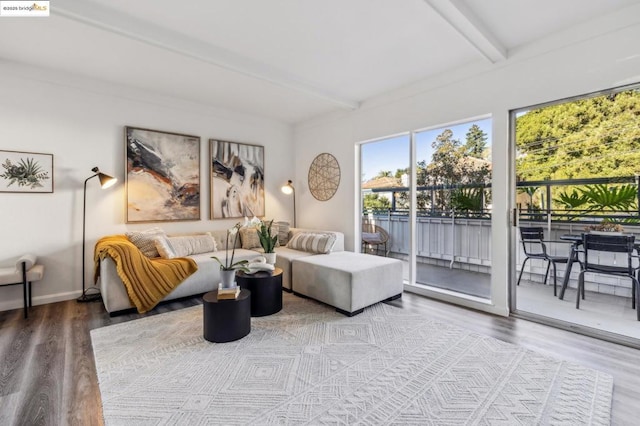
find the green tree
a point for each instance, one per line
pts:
(401, 172)
(375, 202)
(450, 165)
(476, 142)
(592, 137)
(383, 174)
(402, 198)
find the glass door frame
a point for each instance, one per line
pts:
(498, 303)
(513, 234)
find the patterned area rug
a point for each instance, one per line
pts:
(310, 365)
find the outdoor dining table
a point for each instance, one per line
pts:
(576, 241)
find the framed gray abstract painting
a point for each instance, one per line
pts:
(26, 172)
(162, 176)
(237, 179)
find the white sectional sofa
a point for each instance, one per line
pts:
(207, 277)
(345, 280)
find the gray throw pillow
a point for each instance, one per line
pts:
(283, 232)
(145, 240)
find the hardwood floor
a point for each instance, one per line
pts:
(47, 371)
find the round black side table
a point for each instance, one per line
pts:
(266, 291)
(226, 320)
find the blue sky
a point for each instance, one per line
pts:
(393, 153)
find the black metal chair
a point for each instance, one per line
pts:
(611, 244)
(534, 246)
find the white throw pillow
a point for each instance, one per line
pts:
(312, 242)
(170, 247)
(145, 240)
(164, 247)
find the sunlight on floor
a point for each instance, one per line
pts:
(600, 311)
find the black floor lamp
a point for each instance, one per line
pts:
(289, 189)
(92, 293)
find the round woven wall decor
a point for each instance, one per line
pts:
(324, 176)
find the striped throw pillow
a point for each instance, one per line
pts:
(312, 242)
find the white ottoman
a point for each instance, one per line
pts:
(346, 280)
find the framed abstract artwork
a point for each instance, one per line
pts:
(237, 179)
(26, 172)
(162, 176)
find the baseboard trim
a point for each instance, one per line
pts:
(7, 305)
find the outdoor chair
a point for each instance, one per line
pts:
(535, 248)
(374, 238)
(592, 245)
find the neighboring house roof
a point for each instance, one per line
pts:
(382, 182)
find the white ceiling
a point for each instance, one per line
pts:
(288, 60)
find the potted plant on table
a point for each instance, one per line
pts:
(268, 241)
(606, 226)
(229, 267)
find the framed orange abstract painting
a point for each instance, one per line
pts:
(162, 177)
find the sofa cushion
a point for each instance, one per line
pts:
(283, 261)
(145, 240)
(251, 240)
(170, 247)
(372, 237)
(312, 242)
(283, 232)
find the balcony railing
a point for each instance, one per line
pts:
(462, 239)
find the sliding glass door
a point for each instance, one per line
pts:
(577, 171)
(432, 208)
(386, 198)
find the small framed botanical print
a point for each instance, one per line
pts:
(26, 172)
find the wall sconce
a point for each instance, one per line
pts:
(92, 293)
(289, 189)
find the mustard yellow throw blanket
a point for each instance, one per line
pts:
(147, 281)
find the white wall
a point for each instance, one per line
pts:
(81, 122)
(594, 56)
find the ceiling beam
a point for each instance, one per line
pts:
(465, 22)
(98, 16)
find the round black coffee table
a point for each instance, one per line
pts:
(266, 291)
(226, 320)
